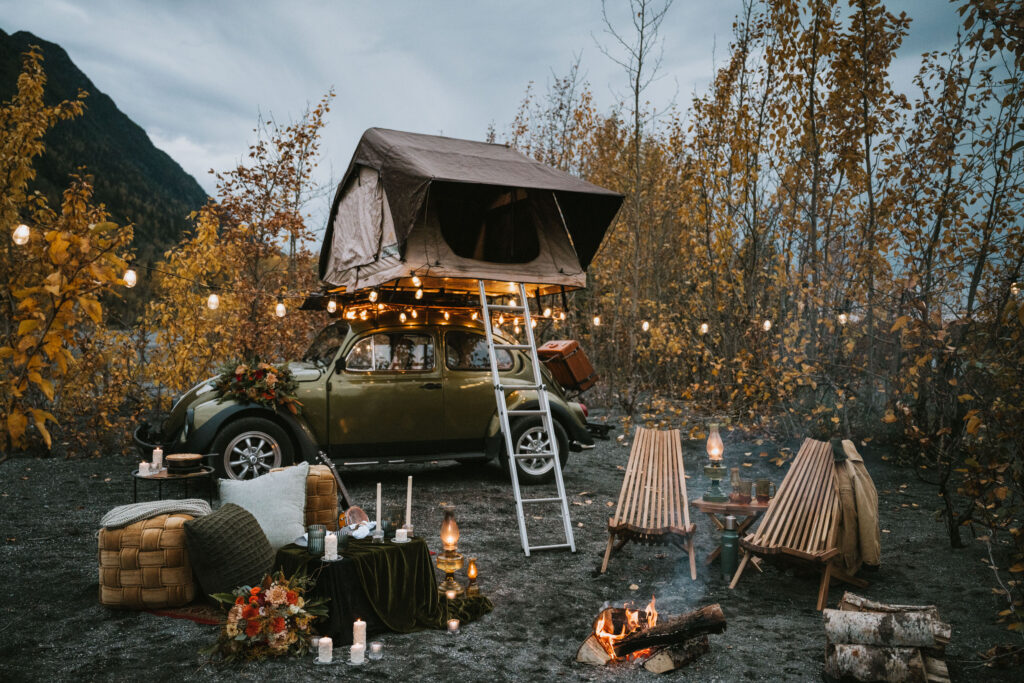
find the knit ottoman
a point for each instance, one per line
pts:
(145, 564)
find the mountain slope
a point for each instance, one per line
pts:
(138, 182)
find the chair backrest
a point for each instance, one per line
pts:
(803, 517)
(653, 494)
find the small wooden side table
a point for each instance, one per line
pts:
(205, 472)
(745, 514)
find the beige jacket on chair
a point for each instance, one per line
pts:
(859, 537)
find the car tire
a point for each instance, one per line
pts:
(251, 447)
(528, 435)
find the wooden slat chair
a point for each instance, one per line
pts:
(802, 521)
(652, 507)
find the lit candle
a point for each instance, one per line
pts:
(453, 626)
(330, 546)
(359, 632)
(144, 469)
(357, 653)
(450, 594)
(376, 650)
(378, 507)
(158, 458)
(408, 504)
(325, 650)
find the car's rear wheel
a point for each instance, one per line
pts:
(529, 437)
(251, 447)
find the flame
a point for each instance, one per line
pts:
(636, 620)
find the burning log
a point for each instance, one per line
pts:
(673, 631)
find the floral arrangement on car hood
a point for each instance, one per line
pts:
(258, 382)
(269, 620)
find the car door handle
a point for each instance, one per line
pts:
(431, 385)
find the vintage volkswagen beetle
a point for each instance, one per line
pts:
(375, 392)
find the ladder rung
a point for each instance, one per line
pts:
(513, 413)
(514, 347)
(550, 547)
(528, 456)
(504, 307)
(556, 499)
(521, 387)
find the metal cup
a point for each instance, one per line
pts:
(765, 489)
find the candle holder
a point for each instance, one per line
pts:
(471, 572)
(714, 470)
(449, 560)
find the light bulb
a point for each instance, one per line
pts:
(21, 235)
(597, 321)
(416, 282)
(511, 302)
(703, 329)
(533, 323)
(446, 316)
(415, 314)
(373, 295)
(351, 315)
(766, 325)
(130, 278)
(645, 326)
(332, 306)
(473, 316)
(843, 318)
(516, 329)
(279, 309)
(401, 316)
(419, 293)
(1014, 288)
(547, 312)
(213, 301)
(561, 316)
(515, 322)
(363, 315)
(380, 307)
(501, 319)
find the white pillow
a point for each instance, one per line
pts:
(277, 500)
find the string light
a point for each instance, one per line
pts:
(516, 329)
(547, 312)
(401, 316)
(414, 314)
(332, 306)
(512, 302)
(363, 315)
(419, 293)
(213, 301)
(373, 295)
(597, 321)
(1014, 287)
(843, 318)
(380, 307)
(533, 323)
(766, 325)
(21, 235)
(645, 326)
(416, 282)
(351, 315)
(473, 316)
(703, 329)
(280, 310)
(446, 316)
(561, 316)
(130, 278)
(501, 319)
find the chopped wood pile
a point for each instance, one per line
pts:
(668, 645)
(874, 641)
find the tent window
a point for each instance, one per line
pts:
(489, 224)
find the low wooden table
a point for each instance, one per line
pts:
(745, 514)
(205, 472)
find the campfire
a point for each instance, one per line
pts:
(623, 635)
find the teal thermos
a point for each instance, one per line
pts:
(730, 541)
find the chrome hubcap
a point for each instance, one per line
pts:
(251, 454)
(534, 440)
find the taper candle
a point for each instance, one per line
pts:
(408, 503)
(359, 632)
(378, 507)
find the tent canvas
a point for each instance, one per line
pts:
(451, 212)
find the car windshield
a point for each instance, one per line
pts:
(327, 343)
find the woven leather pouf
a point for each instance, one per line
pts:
(145, 564)
(321, 497)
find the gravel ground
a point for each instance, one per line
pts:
(52, 627)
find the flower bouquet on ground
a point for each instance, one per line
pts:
(269, 620)
(257, 382)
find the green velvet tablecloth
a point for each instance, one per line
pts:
(394, 580)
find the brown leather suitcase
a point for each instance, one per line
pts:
(568, 364)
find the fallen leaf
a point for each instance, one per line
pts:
(579, 524)
(885, 531)
(748, 464)
(634, 587)
(609, 504)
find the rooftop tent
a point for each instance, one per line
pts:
(455, 211)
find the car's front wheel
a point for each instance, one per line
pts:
(251, 447)
(529, 437)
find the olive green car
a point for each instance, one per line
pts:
(379, 392)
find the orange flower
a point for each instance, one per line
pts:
(293, 597)
(255, 591)
(252, 628)
(254, 600)
(250, 612)
(278, 624)
(239, 600)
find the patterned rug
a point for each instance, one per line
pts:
(197, 612)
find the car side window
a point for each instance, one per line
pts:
(396, 351)
(468, 351)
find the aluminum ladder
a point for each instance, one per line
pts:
(543, 411)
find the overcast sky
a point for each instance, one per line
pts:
(196, 73)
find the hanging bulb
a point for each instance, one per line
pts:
(373, 295)
(561, 316)
(1014, 287)
(380, 307)
(501, 319)
(446, 316)
(401, 316)
(843, 318)
(547, 312)
(419, 293)
(597, 321)
(351, 315)
(766, 325)
(332, 306)
(21, 235)
(213, 301)
(533, 323)
(511, 302)
(516, 322)
(363, 315)
(279, 309)
(516, 329)
(130, 278)
(473, 316)
(415, 314)
(703, 329)
(645, 326)
(416, 282)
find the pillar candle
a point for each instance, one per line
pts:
(158, 459)
(356, 653)
(401, 535)
(143, 468)
(408, 503)
(330, 546)
(359, 632)
(378, 507)
(325, 649)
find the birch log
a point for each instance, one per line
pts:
(896, 629)
(677, 656)
(871, 663)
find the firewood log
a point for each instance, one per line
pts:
(675, 630)
(592, 652)
(677, 656)
(891, 629)
(852, 602)
(845, 662)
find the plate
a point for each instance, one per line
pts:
(339, 558)
(395, 540)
